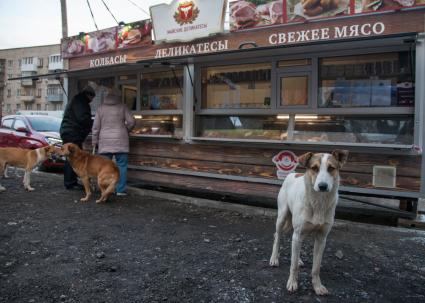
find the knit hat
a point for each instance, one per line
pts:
(89, 90)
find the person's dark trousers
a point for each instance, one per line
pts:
(69, 176)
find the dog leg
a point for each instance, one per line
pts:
(3, 167)
(106, 190)
(27, 180)
(274, 259)
(86, 183)
(319, 247)
(292, 284)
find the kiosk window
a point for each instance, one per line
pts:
(161, 90)
(236, 86)
(375, 80)
(169, 126)
(294, 90)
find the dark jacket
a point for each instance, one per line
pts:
(77, 122)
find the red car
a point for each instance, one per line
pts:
(31, 132)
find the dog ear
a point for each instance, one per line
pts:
(304, 159)
(341, 155)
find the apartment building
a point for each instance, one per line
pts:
(27, 94)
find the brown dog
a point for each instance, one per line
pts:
(23, 158)
(88, 166)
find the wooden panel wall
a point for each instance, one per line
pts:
(234, 160)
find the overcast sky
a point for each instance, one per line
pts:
(38, 22)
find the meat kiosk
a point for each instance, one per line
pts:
(224, 109)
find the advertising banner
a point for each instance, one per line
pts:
(246, 14)
(134, 34)
(187, 20)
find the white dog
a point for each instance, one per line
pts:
(307, 204)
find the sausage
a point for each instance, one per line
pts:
(309, 4)
(314, 11)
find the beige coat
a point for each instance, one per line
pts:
(111, 125)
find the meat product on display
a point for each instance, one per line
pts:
(276, 11)
(405, 2)
(244, 14)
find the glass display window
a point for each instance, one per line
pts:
(158, 126)
(394, 130)
(236, 86)
(242, 127)
(354, 129)
(374, 80)
(161, 90)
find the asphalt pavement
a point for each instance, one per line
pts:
(144, 248)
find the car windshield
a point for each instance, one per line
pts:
(45, 124)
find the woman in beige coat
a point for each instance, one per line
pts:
(111, 126)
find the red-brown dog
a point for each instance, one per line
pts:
(88, 166)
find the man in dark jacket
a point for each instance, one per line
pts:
(75, 127)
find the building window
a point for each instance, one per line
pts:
(38, 106)
(18, 92)
(28, 106)
(27, 60)
(10, 63)
(9, 76)
(39, 93)
(9, 108)
(376, 80)
(236, 86)
(46, 106)
(9, 92)
(18, 106)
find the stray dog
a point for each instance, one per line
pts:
(307, 204)
(23, 158)
(88, 166)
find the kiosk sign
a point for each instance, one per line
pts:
(286, 162)
(186, 20)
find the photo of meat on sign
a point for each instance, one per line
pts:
(311, 9)
(104, 40)
(253, 13)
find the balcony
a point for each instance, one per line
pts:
(54, 98)
(29, 64)
(52, 81)
(27, 82)
(28, 99)
(53, 66)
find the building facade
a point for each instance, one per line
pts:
(30, 94)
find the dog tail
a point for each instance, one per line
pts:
(287, 224)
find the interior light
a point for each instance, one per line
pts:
(283, 117)
(306, 117)
(138, 116)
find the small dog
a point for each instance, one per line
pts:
(307, 204)
(23, 158)
(88, 166)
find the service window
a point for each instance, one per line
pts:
(294, 89)
(161, 90)
(129, 96)
(236, 86)
(374, 80)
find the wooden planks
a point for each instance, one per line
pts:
(233, 160)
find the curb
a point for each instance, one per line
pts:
(246, 210)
